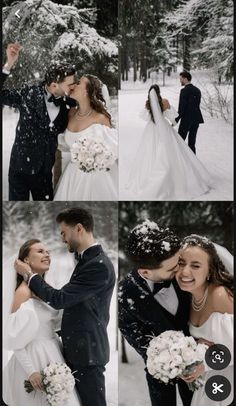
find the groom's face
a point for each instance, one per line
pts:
(65, 87)
(70, 236)
(166, 270)
(183, 80)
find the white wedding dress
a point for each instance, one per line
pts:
(30, 334)
(164, 167)
(218, 329)
(77, 185)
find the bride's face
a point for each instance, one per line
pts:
(80, 89)
(193, 268)
(38, 258)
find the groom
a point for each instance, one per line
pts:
(85, 300)
(43, 112)
(190, 115)
(151, 302)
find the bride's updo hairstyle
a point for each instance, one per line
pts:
(148, 104)
(23, 253)
(218, 274)
(149, 244)
(94, 90)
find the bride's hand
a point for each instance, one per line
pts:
(198, 371)
(13, 51)
(204, 341)
(21, 267)
(36, 380)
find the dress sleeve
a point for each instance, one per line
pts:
(62, 145)
(110, 137)
(21, 327)
(171, 114)
(222, 328)
(25, 361)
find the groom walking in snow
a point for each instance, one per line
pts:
(190, 115)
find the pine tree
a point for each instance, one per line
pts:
(51, 32)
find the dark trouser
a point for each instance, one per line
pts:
(165, 395)
(90, 384)
(21, 185)
(192, 134)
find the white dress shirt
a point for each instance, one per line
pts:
(167, 297)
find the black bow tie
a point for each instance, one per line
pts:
(78, 258)
(158, 286)
(55, 100)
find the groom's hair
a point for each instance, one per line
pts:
(149, 244)
(76, 215)
(58, 72)
(186, 75)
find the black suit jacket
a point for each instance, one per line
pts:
(35, 143)
(189, 106)
(86, 301)
(141, 317)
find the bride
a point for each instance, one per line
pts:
(164, 167)
(204, 271)
(29, 332)
(89, 123)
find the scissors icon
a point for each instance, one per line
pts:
(217, 388)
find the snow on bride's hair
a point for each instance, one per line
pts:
(149, 244)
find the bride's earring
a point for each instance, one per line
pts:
(208, 278)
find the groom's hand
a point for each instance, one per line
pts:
(13, 51)
(21, 267)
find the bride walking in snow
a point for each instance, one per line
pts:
(164, 167)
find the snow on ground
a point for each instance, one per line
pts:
(214, 139)
(133, 389)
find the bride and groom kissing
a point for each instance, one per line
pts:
(85, 299)
(177, 285)
(58, 113)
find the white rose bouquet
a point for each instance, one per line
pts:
(57, 381)
(91, 154)
(172, 354)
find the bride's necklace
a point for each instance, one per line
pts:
(198, 305)
(81, 116)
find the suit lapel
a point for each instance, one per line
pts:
(149, 308)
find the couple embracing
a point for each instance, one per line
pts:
(33, 316)
(71, 115)
(177, 285)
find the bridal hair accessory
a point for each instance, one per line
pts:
(224, 255)
(198, 305)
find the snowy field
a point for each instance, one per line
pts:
(133, 389)
(214, 139)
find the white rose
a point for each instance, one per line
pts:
(173, 373)
(188, 355)
(164, 356)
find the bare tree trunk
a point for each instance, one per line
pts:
(135, 61)
(186, 53)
